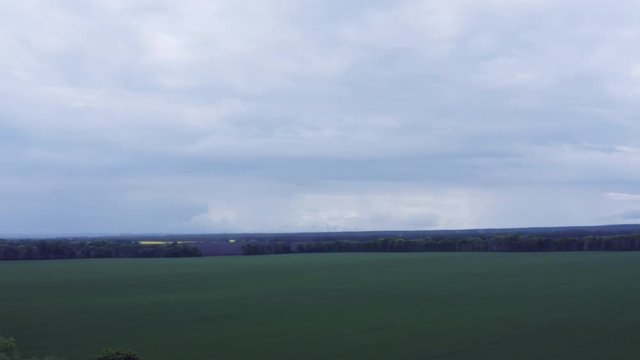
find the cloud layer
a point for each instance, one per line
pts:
(159, 116)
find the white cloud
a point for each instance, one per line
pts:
(366, 209)
(623, 196)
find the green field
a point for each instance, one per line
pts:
(329, 306)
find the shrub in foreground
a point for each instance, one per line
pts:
(9, 351)
(118, 354)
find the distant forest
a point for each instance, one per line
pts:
(494, 243)
(84, 249)
(588, 238)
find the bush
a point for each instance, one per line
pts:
(118, 354)
(8, 349)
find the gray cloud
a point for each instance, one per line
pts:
(274, 116)
(631, 214)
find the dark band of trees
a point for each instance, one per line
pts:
(77, 249)
(502, 243)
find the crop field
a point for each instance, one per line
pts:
(329, 306)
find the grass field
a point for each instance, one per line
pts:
(330, 306)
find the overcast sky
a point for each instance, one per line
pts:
(231, 116)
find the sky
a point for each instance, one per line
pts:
(137, 116)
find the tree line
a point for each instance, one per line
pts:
(84, 249)
(496, 243)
